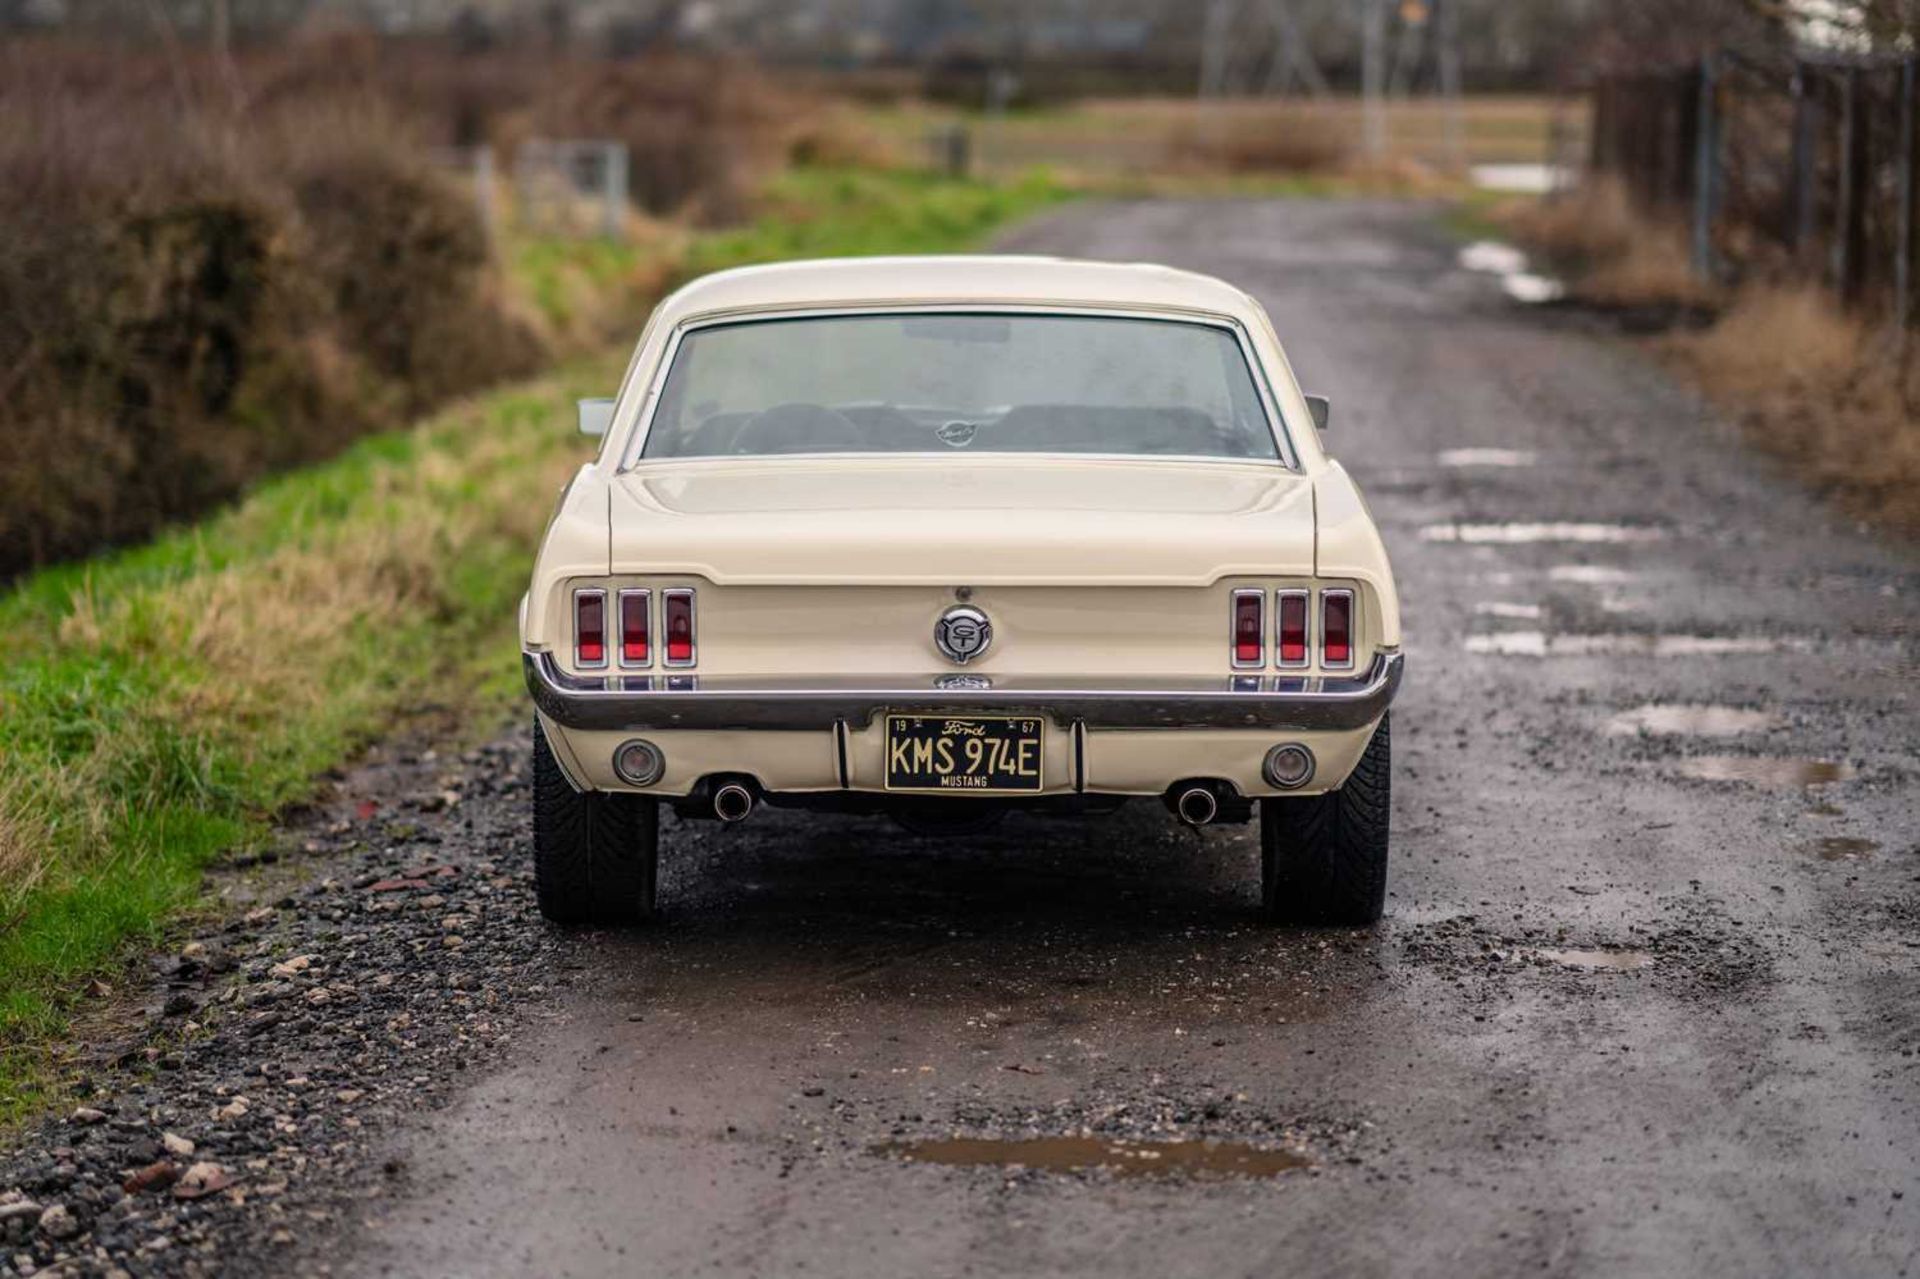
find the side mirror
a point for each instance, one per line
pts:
(1321, 408)
(595, 416)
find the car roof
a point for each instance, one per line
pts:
(961, 279)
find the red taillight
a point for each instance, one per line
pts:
(1336, 628)
(1249, 639)
(1293, 628)
(677, 617)
(635, 632)
(590, 628)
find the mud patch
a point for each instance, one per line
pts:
(1764, 770)
(1686, 720)
(1842, 848)
(1119, 1157)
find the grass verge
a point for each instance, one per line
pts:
(158, 705)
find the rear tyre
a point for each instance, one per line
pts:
(596, 857)
(1323, 858)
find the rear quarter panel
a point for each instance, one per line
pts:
(1348, 545)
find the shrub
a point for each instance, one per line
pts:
(1261, 139)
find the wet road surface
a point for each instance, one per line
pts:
(1647, 999)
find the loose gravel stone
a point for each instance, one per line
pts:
(201, 1180)
(58, 1222)
(306, 1031)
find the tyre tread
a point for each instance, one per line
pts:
(595, 856)
(1324, 857)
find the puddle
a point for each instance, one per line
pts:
(1120, 1157)
(1488, 457)
(1510, 264)
(1678, 719)
(1495, 608)
(1492, 257)
(1843, 848)
(1532, 289)
(1540, 644)
(1513, 534)
(1588, 574)
(1624, 961)
(1764, 770)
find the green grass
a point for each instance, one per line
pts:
(841, 212)
(158, 705)
(572, 282)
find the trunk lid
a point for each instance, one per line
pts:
(949, 522)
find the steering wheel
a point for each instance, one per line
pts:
(796, 428)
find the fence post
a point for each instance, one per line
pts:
(613, 176)
(1799, 229)
(1706, 169)
(1599, 123)
(1903, 243)
(483, 193)
(1843, 218)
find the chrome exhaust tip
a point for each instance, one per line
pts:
(732, 802)
(1196, 806)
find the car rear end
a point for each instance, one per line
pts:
(961, 554)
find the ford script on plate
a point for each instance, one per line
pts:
(963, 753)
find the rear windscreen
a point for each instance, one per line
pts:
(919, 383)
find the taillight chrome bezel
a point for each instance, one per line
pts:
(1281, 598)
(1327, 597)
(645, 598)
(668, 598)
(582, 595)
(1258, 598)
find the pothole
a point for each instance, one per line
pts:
(1681, 719)
(1764, 770)
(1598, 960)
(1121, 1157)
(1842, 848)
(1690, 949)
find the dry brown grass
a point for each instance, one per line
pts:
(1258, 139)
(1821, 389)
(1612, 254)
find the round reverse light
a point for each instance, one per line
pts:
(1289, 766)
(639, 763)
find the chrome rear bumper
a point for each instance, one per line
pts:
(688, 701)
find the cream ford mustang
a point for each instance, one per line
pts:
(942, 537)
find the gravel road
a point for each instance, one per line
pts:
(1646, 1001)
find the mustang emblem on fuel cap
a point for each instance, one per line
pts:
(963, 633)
